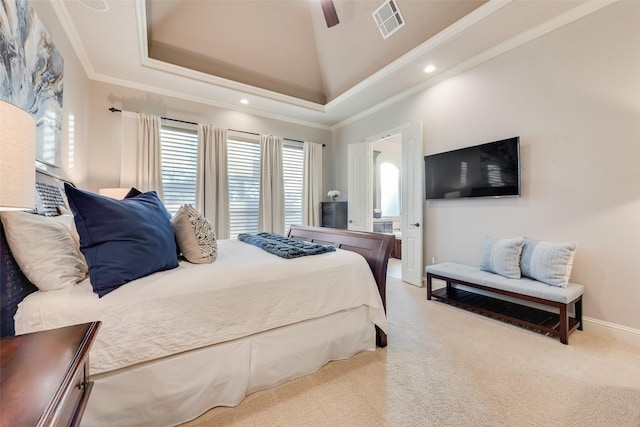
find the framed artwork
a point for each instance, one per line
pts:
(31, 70)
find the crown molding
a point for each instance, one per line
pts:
(205, 101)
(60, 10)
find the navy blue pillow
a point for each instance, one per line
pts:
(122, 240)
(133, 193)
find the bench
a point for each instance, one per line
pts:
(557, 324)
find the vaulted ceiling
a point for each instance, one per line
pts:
(285, 46)
(281, 56)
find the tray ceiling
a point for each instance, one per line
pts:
(281, 56)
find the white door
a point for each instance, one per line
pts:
(359, 188)
(412, 204)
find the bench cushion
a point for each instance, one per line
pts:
(525, 286)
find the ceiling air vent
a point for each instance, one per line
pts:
(388, 18)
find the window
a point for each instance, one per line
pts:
(179, 165)
(179, 152)
(390, 189)
(243, 162)
(292, 168)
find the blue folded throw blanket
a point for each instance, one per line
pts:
(284, 247)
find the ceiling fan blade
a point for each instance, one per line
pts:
(330, 14)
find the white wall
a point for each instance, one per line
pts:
(573, 97)
(106, 126)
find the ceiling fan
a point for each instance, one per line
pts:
(330, 15)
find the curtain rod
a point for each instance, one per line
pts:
(116, 110)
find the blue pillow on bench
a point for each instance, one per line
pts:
(502, 256)
(122, 240)
(546, 262)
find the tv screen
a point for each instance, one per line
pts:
(486, 170)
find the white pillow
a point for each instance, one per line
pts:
(502, 256)
(547, 262)
(47, 249)
(194, 235)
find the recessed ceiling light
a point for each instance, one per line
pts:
(97, 5)
(430, 68)
(244, 101)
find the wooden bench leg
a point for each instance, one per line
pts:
(564, 324)
(428, 286)
(578, 308)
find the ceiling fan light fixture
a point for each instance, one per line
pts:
(330, 14)
(388, 18)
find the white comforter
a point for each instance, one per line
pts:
(245, 291)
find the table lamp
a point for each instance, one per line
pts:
(114, 192)
(17, 158)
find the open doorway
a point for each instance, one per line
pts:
(388, 216)
(386, 185)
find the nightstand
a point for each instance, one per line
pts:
(44, 376)
(334, 214)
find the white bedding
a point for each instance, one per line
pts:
(246, 291)
(175, 389)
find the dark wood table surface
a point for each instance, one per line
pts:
(44, 376)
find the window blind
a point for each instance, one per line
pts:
(179, 151)
(292, 165)
(243, 162)
(179, 163)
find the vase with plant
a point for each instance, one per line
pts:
(333, 195)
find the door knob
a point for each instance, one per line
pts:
(350, 222)
(417, 224)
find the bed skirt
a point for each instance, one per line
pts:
(179, 388)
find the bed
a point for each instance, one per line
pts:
(228, 328)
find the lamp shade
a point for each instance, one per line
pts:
(17, 158)
(114, 193)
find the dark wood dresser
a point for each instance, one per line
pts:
(334, 215)
(44, 376)
(396, 251)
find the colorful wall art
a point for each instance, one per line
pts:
(31, 70)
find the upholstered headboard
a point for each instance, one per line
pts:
(14, 286)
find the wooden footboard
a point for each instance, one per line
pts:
(374, 247)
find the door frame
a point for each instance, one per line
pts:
(381, 136)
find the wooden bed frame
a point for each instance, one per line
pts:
(374, 247)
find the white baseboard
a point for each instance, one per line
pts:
(622, 333)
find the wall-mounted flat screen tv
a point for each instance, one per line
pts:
(486, 170)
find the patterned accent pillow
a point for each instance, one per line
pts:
(49, 197)
(502, 256)
(14, 287)
(195, 236)
(550, 263)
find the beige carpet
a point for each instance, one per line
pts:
(448, 367)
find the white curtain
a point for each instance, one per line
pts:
(212, 182)
(271, 213)
(312, 184)
(128, 148)
(141, 162)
